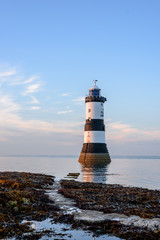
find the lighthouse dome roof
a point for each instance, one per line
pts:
(95, 86)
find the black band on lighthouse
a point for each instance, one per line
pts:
(94, 148)
(94, 125)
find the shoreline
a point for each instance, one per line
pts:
(126, 212)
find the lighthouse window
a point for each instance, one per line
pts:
(89, 110)
(102, 114)
(94, 92)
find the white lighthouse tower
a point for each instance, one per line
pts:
(94, 149)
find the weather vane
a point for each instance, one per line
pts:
(95, 81)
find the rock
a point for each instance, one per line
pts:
(23, 196)
(73, 174)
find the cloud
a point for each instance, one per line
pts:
(12, 124)
(8, 73)
(12, 77)
(34, 100)
(34, 108)
(118, 131)
(64, 112)
(79, 99)
(65, 94)
(47, 127)
(32, 89)
(31, 79)
(8, 115)
(7, 104)
(22, 82)
(3, 139)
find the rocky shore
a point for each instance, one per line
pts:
(22, 197)
(126, 212)
(112, 198)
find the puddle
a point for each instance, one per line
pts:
(66, 232)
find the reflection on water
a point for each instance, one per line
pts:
(135, 171)
(94, 172)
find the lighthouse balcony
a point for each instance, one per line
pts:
(95, 99)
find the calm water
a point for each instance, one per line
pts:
(128, 171)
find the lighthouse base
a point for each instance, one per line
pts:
(94, 158)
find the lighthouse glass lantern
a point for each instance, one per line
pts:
(94, 148)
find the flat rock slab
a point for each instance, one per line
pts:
(68, 206)
(97, 216)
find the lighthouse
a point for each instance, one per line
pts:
(94, 149)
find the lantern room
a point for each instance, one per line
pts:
(95, 91)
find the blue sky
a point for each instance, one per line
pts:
(50, 51)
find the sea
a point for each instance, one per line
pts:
(135, 171)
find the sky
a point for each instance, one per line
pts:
(50, 53)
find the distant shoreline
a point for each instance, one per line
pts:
(76, 156)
